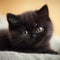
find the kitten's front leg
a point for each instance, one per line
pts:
(52, 52)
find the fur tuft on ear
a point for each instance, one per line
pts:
(43, 11)
(11, 18)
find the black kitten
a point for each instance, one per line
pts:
(29, 32)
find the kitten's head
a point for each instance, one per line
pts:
(30, 29)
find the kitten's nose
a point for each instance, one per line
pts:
(34, 35)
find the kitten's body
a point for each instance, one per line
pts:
(29, 32)
(4, 40)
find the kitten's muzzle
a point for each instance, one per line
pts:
(34, 35)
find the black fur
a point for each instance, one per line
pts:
(29, 32)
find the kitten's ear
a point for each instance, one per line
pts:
(43, 11)
(12, 19)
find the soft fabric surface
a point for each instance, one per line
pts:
(55, 43)
(6, 55)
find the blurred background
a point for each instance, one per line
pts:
(20, 6)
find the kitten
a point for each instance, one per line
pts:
(29, 32)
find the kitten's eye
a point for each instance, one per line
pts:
(25, 32)
(40, 29)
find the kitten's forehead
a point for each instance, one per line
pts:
(28, 17)
(32, 18)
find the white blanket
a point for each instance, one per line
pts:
(6, 55)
